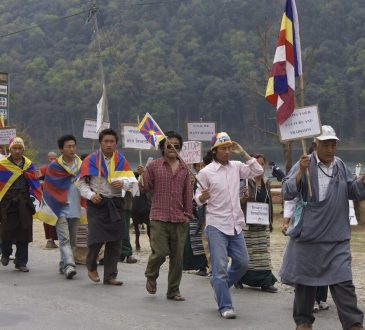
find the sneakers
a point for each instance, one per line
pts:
(4, 260)
(228, 314)
(323, 306)
(70, 272)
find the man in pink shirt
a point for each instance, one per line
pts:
(224, 217)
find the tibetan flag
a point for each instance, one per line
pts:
(150, 130)
(117, 169)
(287, 65)
(9, 173)
(56, 186)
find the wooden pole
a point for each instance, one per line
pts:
(139, 151)
(303, 140)
(99, 172)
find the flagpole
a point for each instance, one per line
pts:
(139, 151)
(304, 146)
(93, 11)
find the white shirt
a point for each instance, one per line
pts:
(223, 182)
(323, 179)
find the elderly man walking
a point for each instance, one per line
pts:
(19, 179)
(318, 252)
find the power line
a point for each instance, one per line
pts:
(151, 3)
(36, 26)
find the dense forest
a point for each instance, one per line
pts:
(179, 60)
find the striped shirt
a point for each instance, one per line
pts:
(324, 177)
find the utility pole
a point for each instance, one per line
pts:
(93, 11)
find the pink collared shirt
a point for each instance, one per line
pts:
(223, 182)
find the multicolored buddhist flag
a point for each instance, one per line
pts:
(9, 173)
(287, 65)
(150, 130)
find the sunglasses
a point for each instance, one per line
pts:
(176, 146)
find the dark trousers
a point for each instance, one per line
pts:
(321, 294)
(21, 254)
(343, 295)
(111, 257)
(126, 241)
(50, 231)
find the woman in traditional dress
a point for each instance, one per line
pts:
(257, 237)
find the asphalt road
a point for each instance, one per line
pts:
(44, 299)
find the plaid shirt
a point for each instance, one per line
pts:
(171, 193)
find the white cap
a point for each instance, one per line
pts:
(328, 133)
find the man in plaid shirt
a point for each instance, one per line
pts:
(168, 180)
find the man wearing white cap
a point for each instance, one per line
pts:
(318, 252)
(224, 217)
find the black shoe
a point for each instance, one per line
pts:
(131, 260)
(101, 262)
(4, 260)
(238, 285)
(23, 269)
(269, 288)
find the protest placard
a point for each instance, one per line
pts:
(191, 152)
(6, 134)
(89, 131)
(201, 131)
(133, 138)
(303, 123)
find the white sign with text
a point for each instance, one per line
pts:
(191, 152)
(89, 131)
(133, 138)
(257, 214)
(303, 123)
(3, 90)
(201, 131)
(6, 134)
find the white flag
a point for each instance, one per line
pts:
(102, 115)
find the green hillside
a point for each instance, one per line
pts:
(179, 60)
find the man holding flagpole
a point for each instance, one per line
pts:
(169, 182)
(104, 178)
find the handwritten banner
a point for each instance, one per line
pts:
(191, 152)
(6, 134)
(257, 213)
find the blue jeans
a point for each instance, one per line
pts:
(221, 247)
(66, 233)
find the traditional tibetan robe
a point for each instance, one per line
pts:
(318, 252)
